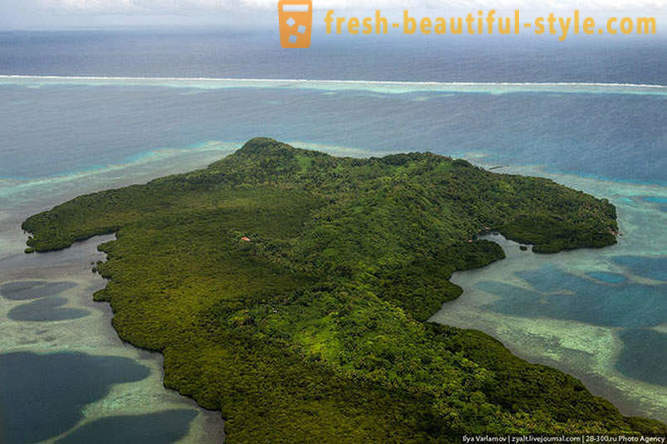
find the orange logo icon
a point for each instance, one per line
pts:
(296, 20)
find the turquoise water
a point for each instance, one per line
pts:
(579, 128)
(598, 314)
(649, 267)
(609, 278)
(557, 294)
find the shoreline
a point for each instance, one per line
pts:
(147, 337)
(598, 384)
(94, 336)
(135, 180)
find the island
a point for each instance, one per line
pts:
(291, 290)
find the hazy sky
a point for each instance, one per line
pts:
(26, 14)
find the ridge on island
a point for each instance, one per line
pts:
(291, 290)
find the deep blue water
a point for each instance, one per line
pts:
(216, 53)
(615, 136)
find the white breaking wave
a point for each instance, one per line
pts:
(379, 86)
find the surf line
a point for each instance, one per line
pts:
(333, 85)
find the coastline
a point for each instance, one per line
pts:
(209, 235)
(134, 180)
(93, 334)
(137, 337)
(93, 338)
(589, 360)
(638, 239)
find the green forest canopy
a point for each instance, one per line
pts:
(291, 290)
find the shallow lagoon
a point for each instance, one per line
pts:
(597, 314)
(66, 375)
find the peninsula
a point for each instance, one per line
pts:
(291, 290)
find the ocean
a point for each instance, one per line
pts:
(88, 110)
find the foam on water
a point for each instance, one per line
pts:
(385, 87)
